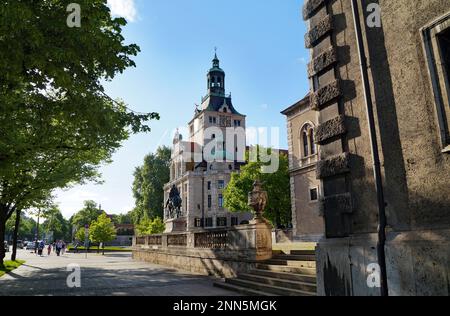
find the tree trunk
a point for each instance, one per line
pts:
(37, 225)
(2, 232)
(16, 232)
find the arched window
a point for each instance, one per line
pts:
(312, 142)
(305, 143)
(308, 145)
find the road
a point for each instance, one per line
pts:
(110, 275)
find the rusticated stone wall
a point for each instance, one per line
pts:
(415, 167)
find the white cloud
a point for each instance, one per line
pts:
(123, 8)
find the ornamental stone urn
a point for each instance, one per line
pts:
(257, 199)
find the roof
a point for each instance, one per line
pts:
(215, 103)
(302, 102)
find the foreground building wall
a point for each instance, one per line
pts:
(307, 220)
(411, 110)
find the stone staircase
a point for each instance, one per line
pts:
(288, 273)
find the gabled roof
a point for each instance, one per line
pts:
(302, 102)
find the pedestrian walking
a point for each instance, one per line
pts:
(41, 247)
(58, 248)
(63, 247)
(49, 249)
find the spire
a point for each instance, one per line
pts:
(216, 61)
(216, 77)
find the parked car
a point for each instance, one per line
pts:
(25, 243)
(30, 246)
(20, 244)
(6, 246)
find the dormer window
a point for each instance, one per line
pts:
(225, 110)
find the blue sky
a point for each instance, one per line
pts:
(260, 46)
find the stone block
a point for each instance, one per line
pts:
(323, 61)
(318, 31)
(333, 166)
(310, 8)
(330, 129)
(324, 95)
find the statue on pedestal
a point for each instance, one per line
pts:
(173, 204)
(257, 199)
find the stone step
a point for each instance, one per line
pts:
(292, 263)
(288, 284)
(296, 257)
(287, 269)
(241, 290)
(303, 252)
(272, 289)
(286, 276)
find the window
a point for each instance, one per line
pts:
(221, 184)
(209, 185)
(198, 222)
(213, 136)
(220, 201)
(307, 141)
(237, 123)
(437, 46)
(314, 195)
(209, 201)
(234, 221)
(212, 120)
(209, 222)
(221, 221)
(312, 142)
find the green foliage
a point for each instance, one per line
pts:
(27, 227)
(277, 185)
(148, 185)
(80, 235)
(102, 230)
(56, 223)
(57, 125)
(87, 215)
(150, 227)
(122, 219)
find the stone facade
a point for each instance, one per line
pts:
(202, 166)
(305, 188)
(408, 81)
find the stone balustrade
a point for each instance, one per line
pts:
(216, 252)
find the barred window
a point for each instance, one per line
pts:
(221, 221)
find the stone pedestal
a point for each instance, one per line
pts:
(263, 240)
(178, 225)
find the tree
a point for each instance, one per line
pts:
(148, 185)
(102, 231)
(150, 227)
(277, 185)
(80, 235)
(87, 215)
(26, 230)
(57, 124)
(56, 223)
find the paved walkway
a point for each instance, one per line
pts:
(109, 275)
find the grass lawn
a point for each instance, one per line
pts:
(9, 266)
(110, 249)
